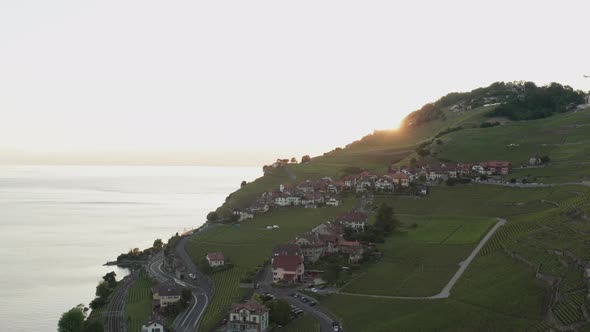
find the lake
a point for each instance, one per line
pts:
(60, 224)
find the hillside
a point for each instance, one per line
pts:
(528, 276)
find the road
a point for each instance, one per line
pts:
(446, 291)
(114, 316)
(188, 320)
(321, 315)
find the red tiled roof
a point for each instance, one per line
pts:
(399, 175)
(286, 262)
(215, 256)
(352, 216)
(249, 305)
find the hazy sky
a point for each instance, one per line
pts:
(203, 81)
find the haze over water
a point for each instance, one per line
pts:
(59, 224)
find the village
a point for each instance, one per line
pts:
(290, 262)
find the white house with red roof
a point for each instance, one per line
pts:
(215, 259)
(248, 316)
(287, 268)
(355, 220)
(401, 179)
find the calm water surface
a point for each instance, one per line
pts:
(59, 224)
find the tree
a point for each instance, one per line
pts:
(280, 311)
(158, 244)
(72, 320)
(93, 326)
(293, 160)
(386, 221)
(545, 159)
(111, 278)
(256, 297)
(185, 297)
(212, 216)
(103, 290)
(305, 159)
(243, 184)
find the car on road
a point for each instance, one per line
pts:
(313, 303)
(192, 276)
(304, 299)
(293, 294)
(336, 326)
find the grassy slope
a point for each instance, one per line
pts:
(496, 293)
(565, 138)
(488, 298)
(139, 303)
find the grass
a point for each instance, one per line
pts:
(139, 303)
(304, 323)
(421, 261)
(563, 137)
(495, 294)
(226, 292)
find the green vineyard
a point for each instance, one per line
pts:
(227, 290)
(139, 303)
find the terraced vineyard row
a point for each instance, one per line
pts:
(525, 224)
(567, 313)
(139, 303)
(227, 290)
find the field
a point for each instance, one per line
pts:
(226, 292)
(564, 138)
(489, 297)
(420, 261)
(139, 303)
(304, 323)
(479, 200)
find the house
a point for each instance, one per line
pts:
(259, 208)
(289, 249)
(329, 228)
(436, 172)
(363, 185)
(306, 187)
(165, 294)
(349, 181)
(498, 167)
(422, 190)
(287, 268)
(215, 259)
(154, 324)
(243, 215)
(534, 161)
(311, 246)
(353, 248)
(333, 202)
(354, 220)
(478, 169)
(249, 316)
(384, 184)
(401, 179)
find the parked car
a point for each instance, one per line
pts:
(313, 303)
(336, 326)
(305, 300)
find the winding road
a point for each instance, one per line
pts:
(188, 320)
